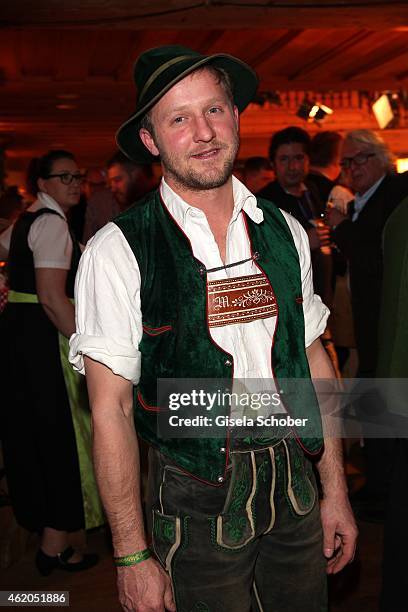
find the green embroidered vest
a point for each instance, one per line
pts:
(176, 342)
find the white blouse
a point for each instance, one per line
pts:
(48, 238)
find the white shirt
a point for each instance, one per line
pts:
(361, 200)
(340, 198)
(107, 296)
(48, 238)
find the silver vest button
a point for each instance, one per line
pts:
(228, 362)
(223, 449)
(220, 478)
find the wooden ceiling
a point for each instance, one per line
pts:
(66, 72)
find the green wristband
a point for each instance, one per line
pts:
(133, 559)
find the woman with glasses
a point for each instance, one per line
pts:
(40, 443)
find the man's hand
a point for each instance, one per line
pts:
(339, 532)
(334, 217)
(339, 528)
(318, 236)
(145, 587)
(323, 233)
(314, 241)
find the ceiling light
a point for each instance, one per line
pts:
(313, 111)
(321, 112)
(305, 109)
(383, 111)
(66, 106)
(402, 164)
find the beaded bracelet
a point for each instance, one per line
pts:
(133, 559)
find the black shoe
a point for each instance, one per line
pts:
(46, 564)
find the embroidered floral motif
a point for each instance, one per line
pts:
(240, 300)
(235, 527)
(164, 529)
(261, 475)
(256, 296)
(236, 522)
(279, 466)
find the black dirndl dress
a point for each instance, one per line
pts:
(36, 427)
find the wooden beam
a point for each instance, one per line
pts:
(10, 55)
(203, 14)
(275, 47)
(140, 42)
(330, 54)
(331, 83)
(31, 95)
(73, 54)
(210, 40)
(375, 63)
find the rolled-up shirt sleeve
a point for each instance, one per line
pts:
(315, 312)
(107, 306)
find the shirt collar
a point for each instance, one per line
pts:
(45, 201)
(180, 209)
(367, 194)
(361, 200)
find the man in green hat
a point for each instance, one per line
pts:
(200, 280)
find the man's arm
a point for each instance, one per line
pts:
(343, 230)
(339, 527)
(145, 586)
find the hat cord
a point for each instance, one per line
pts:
(161, 69)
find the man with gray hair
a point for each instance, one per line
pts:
(369, 167)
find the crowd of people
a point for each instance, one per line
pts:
(314, 227)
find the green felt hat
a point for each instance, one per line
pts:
(158, 69)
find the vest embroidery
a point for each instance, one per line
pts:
(240, 300)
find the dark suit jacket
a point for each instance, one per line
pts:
(361, 242)
(323, 185)
(322, 264)
(276, 194)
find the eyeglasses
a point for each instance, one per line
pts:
(358, 160)
(66, 178)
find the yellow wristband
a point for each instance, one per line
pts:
(133, 559)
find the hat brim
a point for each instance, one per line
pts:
(244, 80)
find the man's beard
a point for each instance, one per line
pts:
(201, 181)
